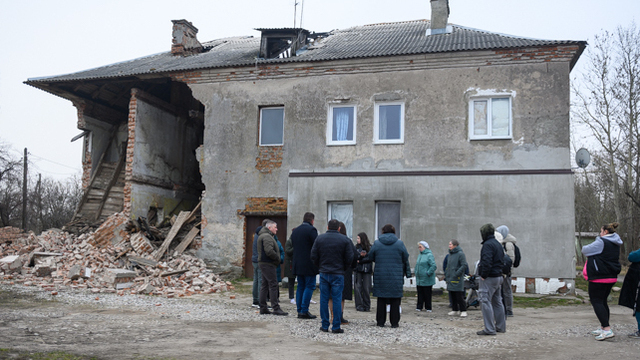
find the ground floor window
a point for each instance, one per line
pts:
(342, 211)
(387, 212)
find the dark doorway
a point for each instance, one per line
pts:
(252, 224)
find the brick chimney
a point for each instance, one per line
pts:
(439, 17)
(184, 38)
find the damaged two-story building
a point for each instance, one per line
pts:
(433, 127)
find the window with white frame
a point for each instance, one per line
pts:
(342, 211)
(387, 212)
(389, 123)
(490, 118)
(271, 126)
(341, 125)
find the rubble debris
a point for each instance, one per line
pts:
(113, 258)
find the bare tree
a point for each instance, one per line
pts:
(10, 187)
(606, 101)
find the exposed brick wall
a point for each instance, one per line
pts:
(128, 172)
(86, 165)
(550, 53)
(269, 158)
(265, 205)
(10, 233)
(187, 77)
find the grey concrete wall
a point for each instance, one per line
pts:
(440, 208)
(436, 138)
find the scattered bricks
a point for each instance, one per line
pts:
(146, 289)
(9, 234)
(54, 293)
(112, 231)
(141, 244)
(42, 270)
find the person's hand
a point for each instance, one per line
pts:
(363, 253)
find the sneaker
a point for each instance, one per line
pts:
(605, 335)
(306, 315)
(313, 302)
(597, 332)
(428, 310)
(463, 314)
(453, 313)
(337, 331)
(418, 309)
(635, 335)
(255, 306)
(293, 301)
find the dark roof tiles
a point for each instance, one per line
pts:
(386, 39)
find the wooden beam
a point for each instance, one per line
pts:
(182, 217)
(187, 240)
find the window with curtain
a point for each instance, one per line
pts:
(490, 118)
(389, 123)
(342, 211)
(271, 126)
(341, 125)
(387, 212)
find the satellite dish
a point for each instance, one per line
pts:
(583, 158)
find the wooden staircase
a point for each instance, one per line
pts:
(105, 194)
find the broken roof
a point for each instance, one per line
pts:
(386, 39)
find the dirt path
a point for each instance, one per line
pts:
(169, 330)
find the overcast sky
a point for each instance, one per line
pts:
(45, 38)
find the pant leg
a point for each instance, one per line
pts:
(638, 319)
(484, 295)
(366, 297)
(325, 289)
(309, 287)
(337, 286)
(357, 290)
(300, 293)
(257, 275)
(291, 284)
(394, 314)
(428, 296)
(499, 314)
(381, 311)
(458, 301)
(507, 295)
(598, 294)
(421, 297)
(264, 289)
(270, 277)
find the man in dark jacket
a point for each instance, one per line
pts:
(302, 239)
(332, 254)
(257, 274)
(268, 260)
(490, 270)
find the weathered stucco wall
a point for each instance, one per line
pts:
(164, 160)
(436, 99)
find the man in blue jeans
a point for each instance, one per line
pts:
(302, 239)
(332, 254)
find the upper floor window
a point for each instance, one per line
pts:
(389, 123)
(341, 125)
(271, 126)
(490, 118)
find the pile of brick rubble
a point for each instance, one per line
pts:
(114, 258)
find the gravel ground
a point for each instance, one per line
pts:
(76, 319)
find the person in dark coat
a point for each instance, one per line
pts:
(489, 292)
(454, 275)
(332, 254)
(364, 270)
(630, 293)
(302, 239)
(268, 259)
(391, 260)
(257, 274)
(288, 272)
(347, 291)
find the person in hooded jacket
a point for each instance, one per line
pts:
(257, 274)
(601, 270)
(489, 292)
(425, 271)
(454, 275)
(391, 260)
(508, 244)
(630, 293)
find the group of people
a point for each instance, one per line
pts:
(601, 270)
(333, 256)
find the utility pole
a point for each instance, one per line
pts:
(24, 192)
